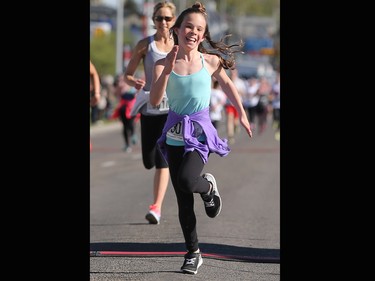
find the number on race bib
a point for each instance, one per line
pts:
(161, 108)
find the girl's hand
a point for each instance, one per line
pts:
(170, 60)
(246, 125)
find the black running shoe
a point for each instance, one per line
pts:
(212, 202)
(191, 263)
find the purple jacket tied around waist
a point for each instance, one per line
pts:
(213, 142)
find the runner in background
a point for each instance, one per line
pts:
(126, 96)
(148, 51)
(217, 102)
(233, 123)
(250, 100)
(94, 89)
(275, 99)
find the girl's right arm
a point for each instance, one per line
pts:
(162, 70)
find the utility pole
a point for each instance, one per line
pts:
(119, 36)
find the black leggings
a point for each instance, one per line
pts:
(276, 116)
(127, 125)
(186, 178)
(251, 110)
(151, 129)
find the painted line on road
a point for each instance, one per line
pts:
(207, 255)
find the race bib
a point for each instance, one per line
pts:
(162, 108)
(175, 133)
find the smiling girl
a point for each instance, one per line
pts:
(188, 136)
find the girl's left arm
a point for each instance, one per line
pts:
(231, 92)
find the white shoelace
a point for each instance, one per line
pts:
(209, 204)
(190, 261)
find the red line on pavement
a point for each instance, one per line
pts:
(207, 255)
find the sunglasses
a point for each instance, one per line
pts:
(160, 18)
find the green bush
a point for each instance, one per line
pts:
(103, 51)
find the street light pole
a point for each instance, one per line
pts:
(119, 36)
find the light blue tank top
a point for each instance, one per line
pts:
(188, 94)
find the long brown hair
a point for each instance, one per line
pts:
(219, 48)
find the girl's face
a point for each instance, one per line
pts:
(164, 19)
(191, 31)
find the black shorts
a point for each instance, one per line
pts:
(151, 130)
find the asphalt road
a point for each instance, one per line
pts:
(242, 243)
